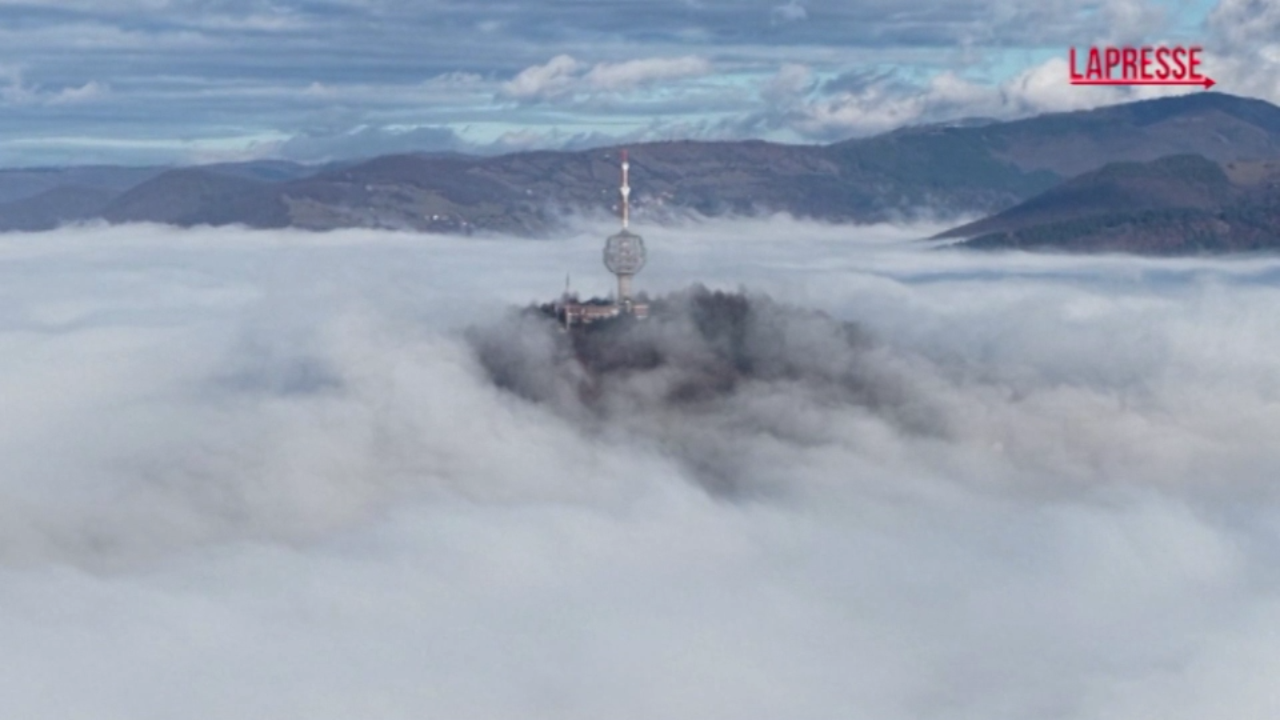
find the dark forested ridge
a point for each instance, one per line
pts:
(1176, 205)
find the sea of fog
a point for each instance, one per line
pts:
(253, 474)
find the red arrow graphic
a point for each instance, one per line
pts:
(1206, 82)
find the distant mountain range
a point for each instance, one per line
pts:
(1093, 168)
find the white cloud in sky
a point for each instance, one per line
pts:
(1133, 22)
(634, 73)
(556, 77)
(887, 102)
(1245, 24)
(260, 474)
(563, 76)
(792, 81)
(1245, 47)
(88, 92)
(16, 90)
(790, 11)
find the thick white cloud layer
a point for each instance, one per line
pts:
(261, 474)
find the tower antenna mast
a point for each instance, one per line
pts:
(626, 191)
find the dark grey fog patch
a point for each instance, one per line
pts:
(275, 361)
(264, 374)
(708, 374)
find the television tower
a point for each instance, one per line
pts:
(624, 254)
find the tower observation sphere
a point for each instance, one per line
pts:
(624, 253)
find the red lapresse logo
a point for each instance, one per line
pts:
(1146, 65)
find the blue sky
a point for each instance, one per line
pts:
(177, 81)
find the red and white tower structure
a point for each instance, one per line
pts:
(624, 253)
